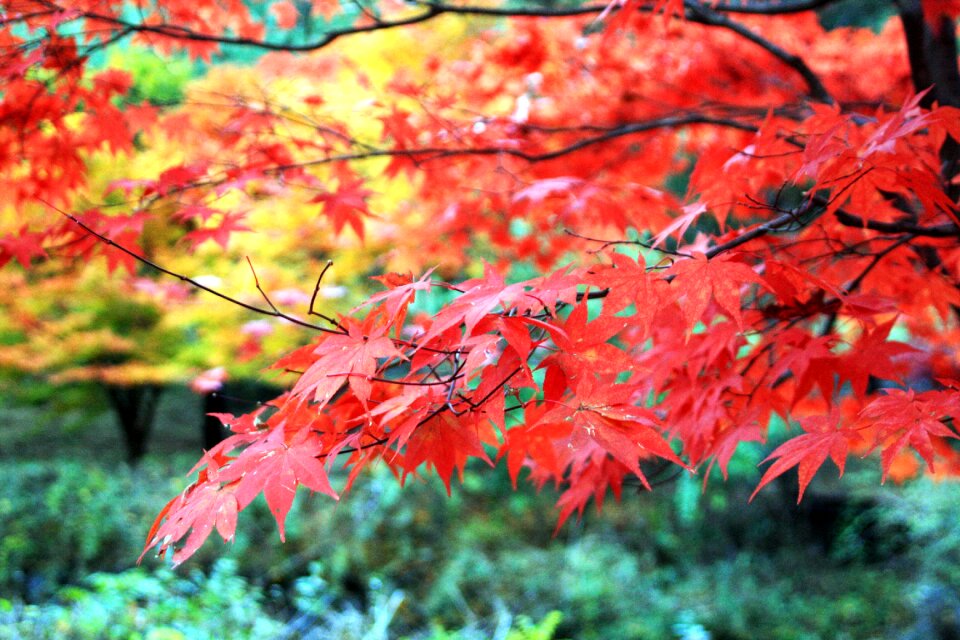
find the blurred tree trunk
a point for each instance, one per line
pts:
(135, 407)
(213, 431)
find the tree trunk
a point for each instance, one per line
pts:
(213, 431)
(135, 407)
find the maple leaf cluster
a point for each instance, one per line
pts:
(737, 214)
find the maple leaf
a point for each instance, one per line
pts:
(535, 442)
(874, 355)
(629, 283)
(346, 206)
(729, 440)
(591, 481)
(198, 212)
(585, 348)
(541, 190)
(349, 358)
(544, 294)
(605, 415)
(691, 213)
(698, 279)
(178, 177)
(402, 291)
(286, 14)
(397, 127)
(194, 514)
(444, 442)
(276, 466)
(808, 452)
(480, 296)
(23, 246)
(220, 233)
(906, 417)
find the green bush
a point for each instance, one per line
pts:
(62, 520)
(153, 606)
(413, 563)
(158, 80)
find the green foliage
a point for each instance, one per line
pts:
(158, 80)
(524, 629)
(154, 606)
(856, 13)
(61, 521)
(481, 564)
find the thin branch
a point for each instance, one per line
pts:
(780, 223)
(256, 282)
(313, 299)
(767, 7)
(610, 243)
(199, 285)
(429, 154)
(856, 282)
(847, 219)
(701, 13)
(182, 33)
(433, 10)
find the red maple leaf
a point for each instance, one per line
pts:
(629, 283)
(480, 297)
(220, 233)
(605, 415)
(277, 465)
(691, 213)
(697, 280)
(444, 442)
(909, 418)
(402, 291)
(346, 206)
(201, 507)
(808, 452)
(23, 246)
(345, 358)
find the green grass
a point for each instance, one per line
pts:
(481, 564)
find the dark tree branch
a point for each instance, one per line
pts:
(766, 7)
(273, 312)
(432, 10)
(427, 154)
(937, 231)
(698, 12)
(932, 50)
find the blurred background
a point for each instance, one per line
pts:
(854, 560)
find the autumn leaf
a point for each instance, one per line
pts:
(276, 466)
(401, 292)
(219, 232)
(697, 280)
(346, 206)
(824, 438)
(286, 14)
(340, 359)
(691, 213)
(22, 246)
(905, 418)
(605, 415)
